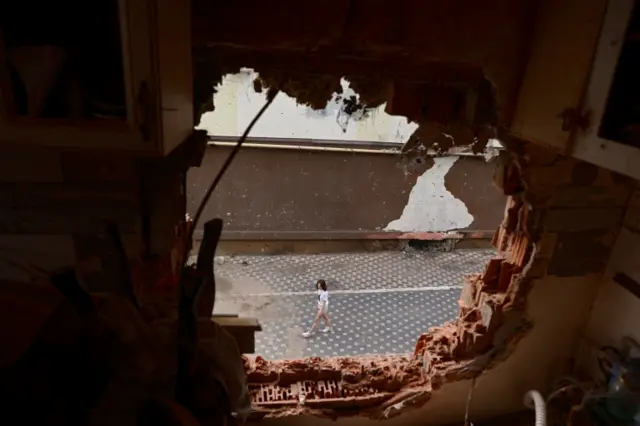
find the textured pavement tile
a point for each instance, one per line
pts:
(356, 271)
(379, 302)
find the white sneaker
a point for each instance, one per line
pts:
(307, 334)
(327, 330)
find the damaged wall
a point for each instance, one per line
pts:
(271, 192)
(559, 211)
(414, 40)
(237, 102)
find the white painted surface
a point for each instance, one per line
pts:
(237, 103)
(431, 208)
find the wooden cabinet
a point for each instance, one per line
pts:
(612, 99)
(109, 74)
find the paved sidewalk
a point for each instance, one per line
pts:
(379, 302)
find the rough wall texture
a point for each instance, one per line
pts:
(615, 310)
(545, 191)
(426, 40)
(53, 205)
(273, 191)
(237, 101)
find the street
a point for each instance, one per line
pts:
(379, 302)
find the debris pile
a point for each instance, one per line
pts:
(365, 386)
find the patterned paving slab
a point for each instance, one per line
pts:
(364, 323)
(355, 271)
(379, 302)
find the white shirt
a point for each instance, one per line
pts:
(323, 299)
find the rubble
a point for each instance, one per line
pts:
(492, 319)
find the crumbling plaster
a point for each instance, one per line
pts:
(431, 207)
(520, 320)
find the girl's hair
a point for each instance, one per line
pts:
(322, 284)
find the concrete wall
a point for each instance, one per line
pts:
(280, 192)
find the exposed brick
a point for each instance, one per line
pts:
(469, 291)
(506, 271)
(512, 216)
(274, 394)
(492, 272)
(519, 250)
(500, 239)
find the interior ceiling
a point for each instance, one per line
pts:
(463, 42)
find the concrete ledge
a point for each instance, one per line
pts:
(348, 235)
(242, 329)
(262, 245)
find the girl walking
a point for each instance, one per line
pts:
(323, 310)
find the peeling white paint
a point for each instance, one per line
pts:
(431, 208)
(237, 103)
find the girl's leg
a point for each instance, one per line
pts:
(327, 321)
(316, 320)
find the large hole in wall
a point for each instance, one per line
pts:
(460, 346)
(342, 117)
